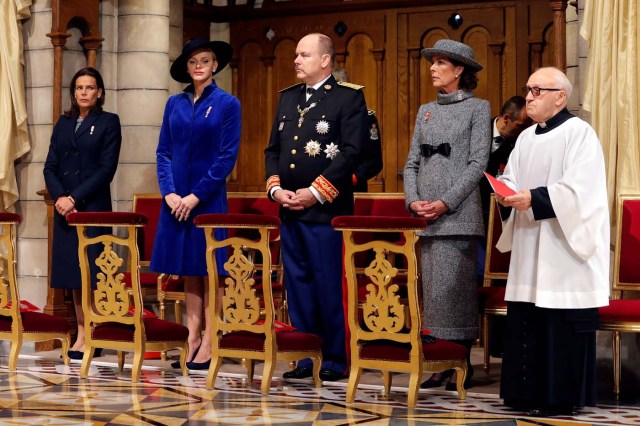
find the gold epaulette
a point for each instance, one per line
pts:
(350, 85)
(291, 87)
(371, 112)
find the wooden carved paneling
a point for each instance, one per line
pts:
(381, 50)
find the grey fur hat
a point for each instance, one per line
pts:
(452, 49)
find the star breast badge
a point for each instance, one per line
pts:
(322, 127)
(332, 150)
(312, 148)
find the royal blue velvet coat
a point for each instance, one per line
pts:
(196, 152)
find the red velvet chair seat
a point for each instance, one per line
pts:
(496, 300)
(440, 350)
(171, 283)
(147, 279)
(37, 322)
(624, 310)
(156, 330)
(288, 341)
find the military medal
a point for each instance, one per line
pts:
(91, 132)
(322, 127)
(373, 133)
(312, 148)
(332, 150)
(206, 114)
(281, 126)
(302, 112)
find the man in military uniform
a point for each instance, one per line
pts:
(370, 163)
(315, 142)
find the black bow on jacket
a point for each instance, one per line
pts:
(429, 150)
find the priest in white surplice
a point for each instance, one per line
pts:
(557, 228)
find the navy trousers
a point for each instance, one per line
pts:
(312, 260)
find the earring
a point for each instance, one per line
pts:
(456, 75)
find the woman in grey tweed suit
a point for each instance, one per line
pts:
(449, 151)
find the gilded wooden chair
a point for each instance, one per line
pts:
(243, 323)
(17, 325)
(496, 267)
(113, 314)
(623, 315)
(381, 336)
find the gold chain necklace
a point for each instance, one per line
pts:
(302, 112)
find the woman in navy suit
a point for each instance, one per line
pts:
(82, 160)
(197, 150)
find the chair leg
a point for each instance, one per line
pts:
(177, 309)
(138, 357)
(86, 362)
(485, 336)
(616, 362)
(317, 365)
(66, 344)
(267, 375)
(120, 360)
(216, 362)
(460, 377)
(386, 377)
(352, 385)
(14, 353)
(251, 364)
(414, 388)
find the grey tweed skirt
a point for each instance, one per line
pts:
(449, 282)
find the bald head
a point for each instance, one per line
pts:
(314, 58)
(555, 89)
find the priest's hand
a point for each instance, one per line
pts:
(520, 201)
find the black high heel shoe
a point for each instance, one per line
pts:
(176, 364)
(199, 365)
(437, 382)
(79, 354)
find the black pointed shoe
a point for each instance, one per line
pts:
(298, 373)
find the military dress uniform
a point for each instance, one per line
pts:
(316, 143)
(371, 163)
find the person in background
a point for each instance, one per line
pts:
(316, 140)
(448, 155)
(82, 160)
(197, 150)
(371, 162)
(557, 229)
(513, 119)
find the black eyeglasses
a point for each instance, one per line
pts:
(535, 91)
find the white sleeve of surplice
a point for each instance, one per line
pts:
(579, 198)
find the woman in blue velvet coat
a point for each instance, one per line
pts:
(196, 152)
(82, 160)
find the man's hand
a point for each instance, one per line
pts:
(287, 199)
(305, 198)
(520, 201)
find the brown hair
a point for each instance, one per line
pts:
(91, 72)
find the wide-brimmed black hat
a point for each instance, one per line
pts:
(221, 49)
(455, 50)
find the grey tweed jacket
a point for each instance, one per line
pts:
(464, 122)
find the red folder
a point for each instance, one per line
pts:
(499, 187)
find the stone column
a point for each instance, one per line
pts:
(143, 88)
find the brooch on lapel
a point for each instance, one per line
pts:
(206, 114)
(91, 131)
(312, 148)
(427, 116)
(332, 150)
(373, 133)
(322, 127)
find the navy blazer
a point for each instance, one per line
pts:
(82, 163)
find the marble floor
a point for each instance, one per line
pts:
(46, 392)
